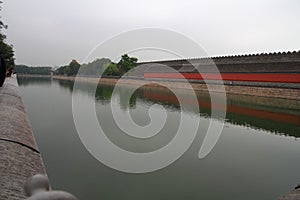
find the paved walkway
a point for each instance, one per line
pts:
(19, 155)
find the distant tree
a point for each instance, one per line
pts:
(60, 70)
(112, 69)
(126, 63)
(23, 69)
(73, 67)
(69, 70)
(96, 67)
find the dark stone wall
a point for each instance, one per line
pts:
(256, 63)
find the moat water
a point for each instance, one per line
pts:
(256, 157)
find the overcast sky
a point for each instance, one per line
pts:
(52, 32)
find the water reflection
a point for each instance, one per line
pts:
(34, 80)
(244, 161)
(279, 116)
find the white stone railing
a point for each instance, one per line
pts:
(37, 187)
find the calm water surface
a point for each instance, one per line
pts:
(257, 156)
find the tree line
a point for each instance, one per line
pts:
(100, 66)
(103, 66)
(23, 69)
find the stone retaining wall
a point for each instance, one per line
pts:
(19, 154)
(284, 93)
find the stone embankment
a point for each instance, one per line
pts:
(276, 92)
(19, 154)
(292, 195)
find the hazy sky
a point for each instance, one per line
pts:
(52, 32)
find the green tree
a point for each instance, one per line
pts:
(6, 50)
(126, 63)
(96, 67)
(74, 67)
(69, 70)
(60, 70)
(112, 69)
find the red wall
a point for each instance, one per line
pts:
(263, 77)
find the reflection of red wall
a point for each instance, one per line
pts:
(280, 117)
(263, 77)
